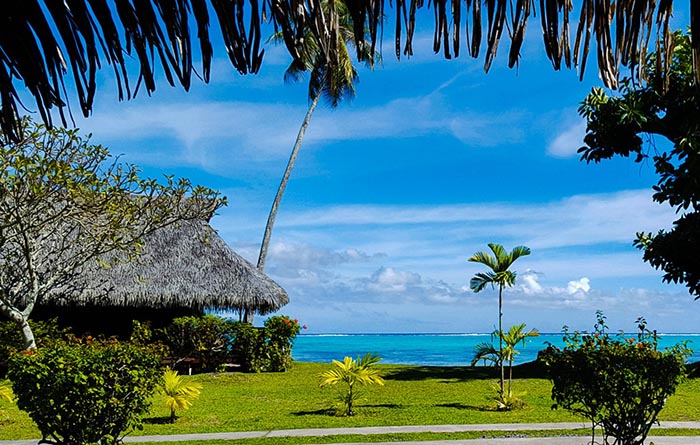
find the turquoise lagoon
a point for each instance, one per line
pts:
(433, 349)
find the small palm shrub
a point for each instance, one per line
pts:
(5, 394)
(350, 374)
(179, 394)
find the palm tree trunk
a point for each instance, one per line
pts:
(248, 316)
(500, 337)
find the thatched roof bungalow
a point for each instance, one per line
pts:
(183, 269)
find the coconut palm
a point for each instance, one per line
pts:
(334, 82)
(500, 275)
(42, 40)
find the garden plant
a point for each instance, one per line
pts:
(500, 275)
(85, 391)
(619, 383)
(486, 351)
(178, 393)
(350, 374)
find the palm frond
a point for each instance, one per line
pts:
(42, 42)
(480, 280)
(486, 259)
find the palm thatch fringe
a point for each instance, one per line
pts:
(181, 266)
(41, 40)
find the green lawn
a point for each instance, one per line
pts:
(412, 395)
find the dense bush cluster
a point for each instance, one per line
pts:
(11, 340)
(85, 391)
(213, 341)
(619, 383)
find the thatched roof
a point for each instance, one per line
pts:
(187, 266)
(41, 40)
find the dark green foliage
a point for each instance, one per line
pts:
(208, 338)
(668, 105)
(213, 341)
(280, 332)
(11, 340)
(249, 348)
(85, 391)
(619, 383)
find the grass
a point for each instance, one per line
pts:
(413, 395)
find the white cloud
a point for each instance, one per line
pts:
(529, 282)
(581, 285)
(567, 143)
(388, 279)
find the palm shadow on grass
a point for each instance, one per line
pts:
(444, 373)
(449, 374)
(462, 406)
(162, 420)
(318, 412)
(334, 411)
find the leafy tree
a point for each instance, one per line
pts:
(351, 374)
(335, 82)
(625, 125)
(500, 275)
(65, 208)
(619, 383)
(178, 393)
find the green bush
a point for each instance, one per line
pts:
(280, 332)
(213, 340)
(85, 391)
(250, 348)
(208, 338)
(11, 340)
(618, 383)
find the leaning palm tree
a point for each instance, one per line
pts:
(500, 275)
(334, 82)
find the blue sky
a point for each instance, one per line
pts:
(394, 190)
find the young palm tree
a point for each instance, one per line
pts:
(500, 275)
(515, 335)
(178, 393)
(333, 82)
(352, 373)
(6, 392)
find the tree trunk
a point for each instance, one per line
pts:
(19, 318)
(500, 337)
(248, 317)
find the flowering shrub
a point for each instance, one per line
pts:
(85, 391)
(281, 332)
(620, 384)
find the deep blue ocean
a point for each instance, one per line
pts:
(433, 349)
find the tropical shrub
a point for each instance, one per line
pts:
(85, 391)
(179, 394)
(250, 348)
(280, 332)
(5, 394)
(618, 383)
(11, 339)
(350, 374)
(208, 338)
